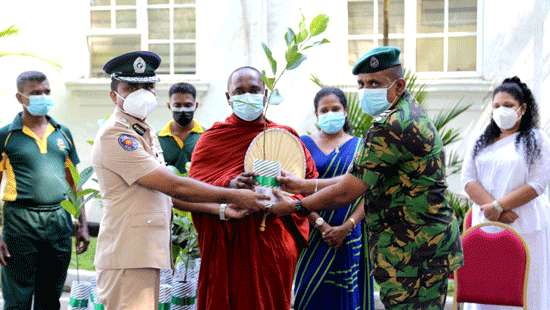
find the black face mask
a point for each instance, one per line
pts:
(183, 118)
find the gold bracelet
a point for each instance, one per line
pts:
(352, 220)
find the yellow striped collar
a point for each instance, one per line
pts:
(166, 131)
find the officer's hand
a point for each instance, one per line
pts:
(4, 253)
(508, 217)
(244, 180)
(335, 236)
(283, 206)
(232, 212)
(82, 239)
(293, 184)
(249, 200)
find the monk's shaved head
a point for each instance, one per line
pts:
(247, 71)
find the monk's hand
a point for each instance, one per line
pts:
(508, 217)
(250, 200)
(293, 184)
(244, 180)
(233, 212)
(4, 253)
(334, 236)
(283, 206)
(490, 212)
(82, 238)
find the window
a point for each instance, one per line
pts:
(166, 27)
(434, 35)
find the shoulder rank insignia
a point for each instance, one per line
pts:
(139, 129)
(128, 143)
(382, 116)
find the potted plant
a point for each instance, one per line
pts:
(77, 197)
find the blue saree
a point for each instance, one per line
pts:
(326, 278)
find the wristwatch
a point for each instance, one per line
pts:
(319, 222)
(497, 206)
(300, 209)
(223, 206)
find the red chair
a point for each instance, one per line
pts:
(496, 267)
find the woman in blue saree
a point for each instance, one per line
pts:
(333, 272)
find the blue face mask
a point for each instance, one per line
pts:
(39, 105)
(332, 122)
(248, 107)
(374, 101)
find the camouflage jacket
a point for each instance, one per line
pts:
(412, 229)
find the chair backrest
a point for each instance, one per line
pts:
(467, 220)
(496, 266)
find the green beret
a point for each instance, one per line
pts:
(134, 67)
(377, 59)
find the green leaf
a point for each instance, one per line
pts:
(295, 64)
(85, 175)
(87, 199)
(87, 191)
(318, 24)
(324, 41)
(268, 81)
(71, 208)
(290, 37)
(303, 33)
(453, 163)
(269, 55)
(316, 80)
(74, 173)
(10, 31)
(293, 58)
(416, 90)
(449, 136)
(443, 118)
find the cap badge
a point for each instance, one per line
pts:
(139, 65)
(374, 63)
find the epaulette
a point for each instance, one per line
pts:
(382, 116)
(140, 130)
(123, 122)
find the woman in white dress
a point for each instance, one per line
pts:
(506, 174)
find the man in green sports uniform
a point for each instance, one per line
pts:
(413, 236)
(35, 249)
(179, 136)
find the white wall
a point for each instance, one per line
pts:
(515, 36)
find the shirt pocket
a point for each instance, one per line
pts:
(149, 219)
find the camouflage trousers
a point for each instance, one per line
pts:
(426, 292)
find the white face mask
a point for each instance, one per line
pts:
(140, 103)
(505, 117)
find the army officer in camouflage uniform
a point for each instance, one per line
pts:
(413, 235)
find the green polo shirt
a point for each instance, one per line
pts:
(177, 152)
(34, 166)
